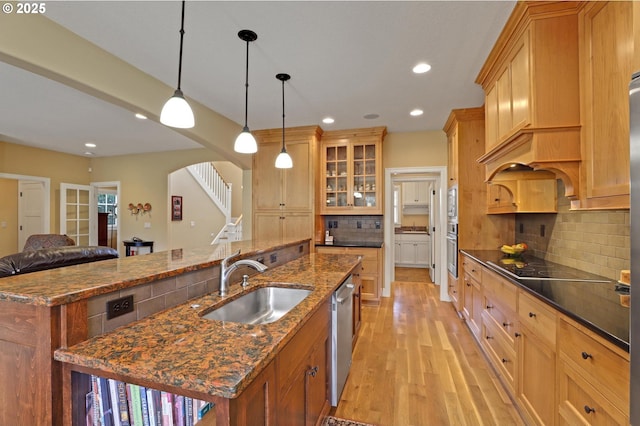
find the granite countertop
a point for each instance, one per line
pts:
(179, 348)
(337, 243)
(411, 230)
(595, 305)
(71, 283)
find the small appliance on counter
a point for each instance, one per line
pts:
(328, 239)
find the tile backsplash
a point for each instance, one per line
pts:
(355, 228)
(595, 241)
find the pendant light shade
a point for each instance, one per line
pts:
(176, 112)
(245, 142)
(283, 161)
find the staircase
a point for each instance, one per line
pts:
(219, 192)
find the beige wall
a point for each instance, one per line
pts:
(8, 216)
(200, 217)
(415, 149)
(59, 167)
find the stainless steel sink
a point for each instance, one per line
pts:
(261, 306)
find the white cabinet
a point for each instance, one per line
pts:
(413, 250)
(415, 193)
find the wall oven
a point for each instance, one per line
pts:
(452, 249)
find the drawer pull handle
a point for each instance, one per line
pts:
(506, 324)
(517, 334)
(313, 371)
(589, 410)
(489, 337)
(468, 284)
(586, 355)
(532, 315)
(489, 307)
(473, 270)
(504, 360)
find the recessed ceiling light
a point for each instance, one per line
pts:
(416, 112)
(88, 153)
(421, 68)
(141, 116)
(90, 145)
(372, 116)
(328, 120)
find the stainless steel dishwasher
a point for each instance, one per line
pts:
(341, 337)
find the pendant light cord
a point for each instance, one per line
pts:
(283, 148)
(181, 40)
(246, 89)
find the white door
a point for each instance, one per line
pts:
(78, 214)
(31, 210)
(433, 212)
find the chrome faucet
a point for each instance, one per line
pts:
(226, 271)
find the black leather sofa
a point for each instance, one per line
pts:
(56, 257)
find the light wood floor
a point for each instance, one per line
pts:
(416, 363)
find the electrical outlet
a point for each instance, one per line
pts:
(335, 224)
(121, 306)
(521, 228)
(359, 224)
(377, 224)
(542, 230)
(273, 258)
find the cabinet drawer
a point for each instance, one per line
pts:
(581, 403)
(472, 268)
(500, 352)
(502, 291)
(608, 370)
(537, 317)
(504, 319)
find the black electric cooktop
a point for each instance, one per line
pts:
(534, 268)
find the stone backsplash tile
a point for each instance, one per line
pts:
(355, 228)
(595, 241)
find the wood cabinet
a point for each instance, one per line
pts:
(413, 250)
(372, 272)
(351, 172)
(283, 204)
(522, 192)
(357, 306)
(593, 378)
(302, 373)
(476, 229)
(472, 293)
(415, 193)
(606, 54)
(531, 84)
(537, 359)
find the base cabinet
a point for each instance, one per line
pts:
(372, 269)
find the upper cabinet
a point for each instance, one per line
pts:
(606, 54)
(532, 100)
(283, 204)
(415, 194)
(351, 171)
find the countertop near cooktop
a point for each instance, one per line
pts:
(364, 244)
(596, 305)
(180, 349)
(71, 283)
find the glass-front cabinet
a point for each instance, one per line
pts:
(352, 172)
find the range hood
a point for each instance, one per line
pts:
(556, 149)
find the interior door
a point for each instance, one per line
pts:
(78, 214)
(30, 210)
(433, 212)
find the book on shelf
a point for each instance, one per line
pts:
(115, 403)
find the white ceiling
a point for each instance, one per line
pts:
(346, 59)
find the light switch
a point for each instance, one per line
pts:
(147, 224)
(193, 223)
(3, 224)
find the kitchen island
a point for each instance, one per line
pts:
(49, 310)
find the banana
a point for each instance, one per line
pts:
(508, 249)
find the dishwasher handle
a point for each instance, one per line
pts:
(345, 293)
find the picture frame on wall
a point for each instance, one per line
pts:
(176, 207)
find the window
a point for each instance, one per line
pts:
(396, 205)
(108, 203)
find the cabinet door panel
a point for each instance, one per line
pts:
(536, 378)
(520, 86)
(504, 104)
(297, 226)
(267, 226)
(267, 180)
(298, 181)
(491, 118)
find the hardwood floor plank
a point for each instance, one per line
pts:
(416, 363)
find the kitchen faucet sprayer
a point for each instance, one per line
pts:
(226, 271)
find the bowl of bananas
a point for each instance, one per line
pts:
(514, 250)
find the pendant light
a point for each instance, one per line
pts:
(283, 161)
(245, 142)
(176, 112)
